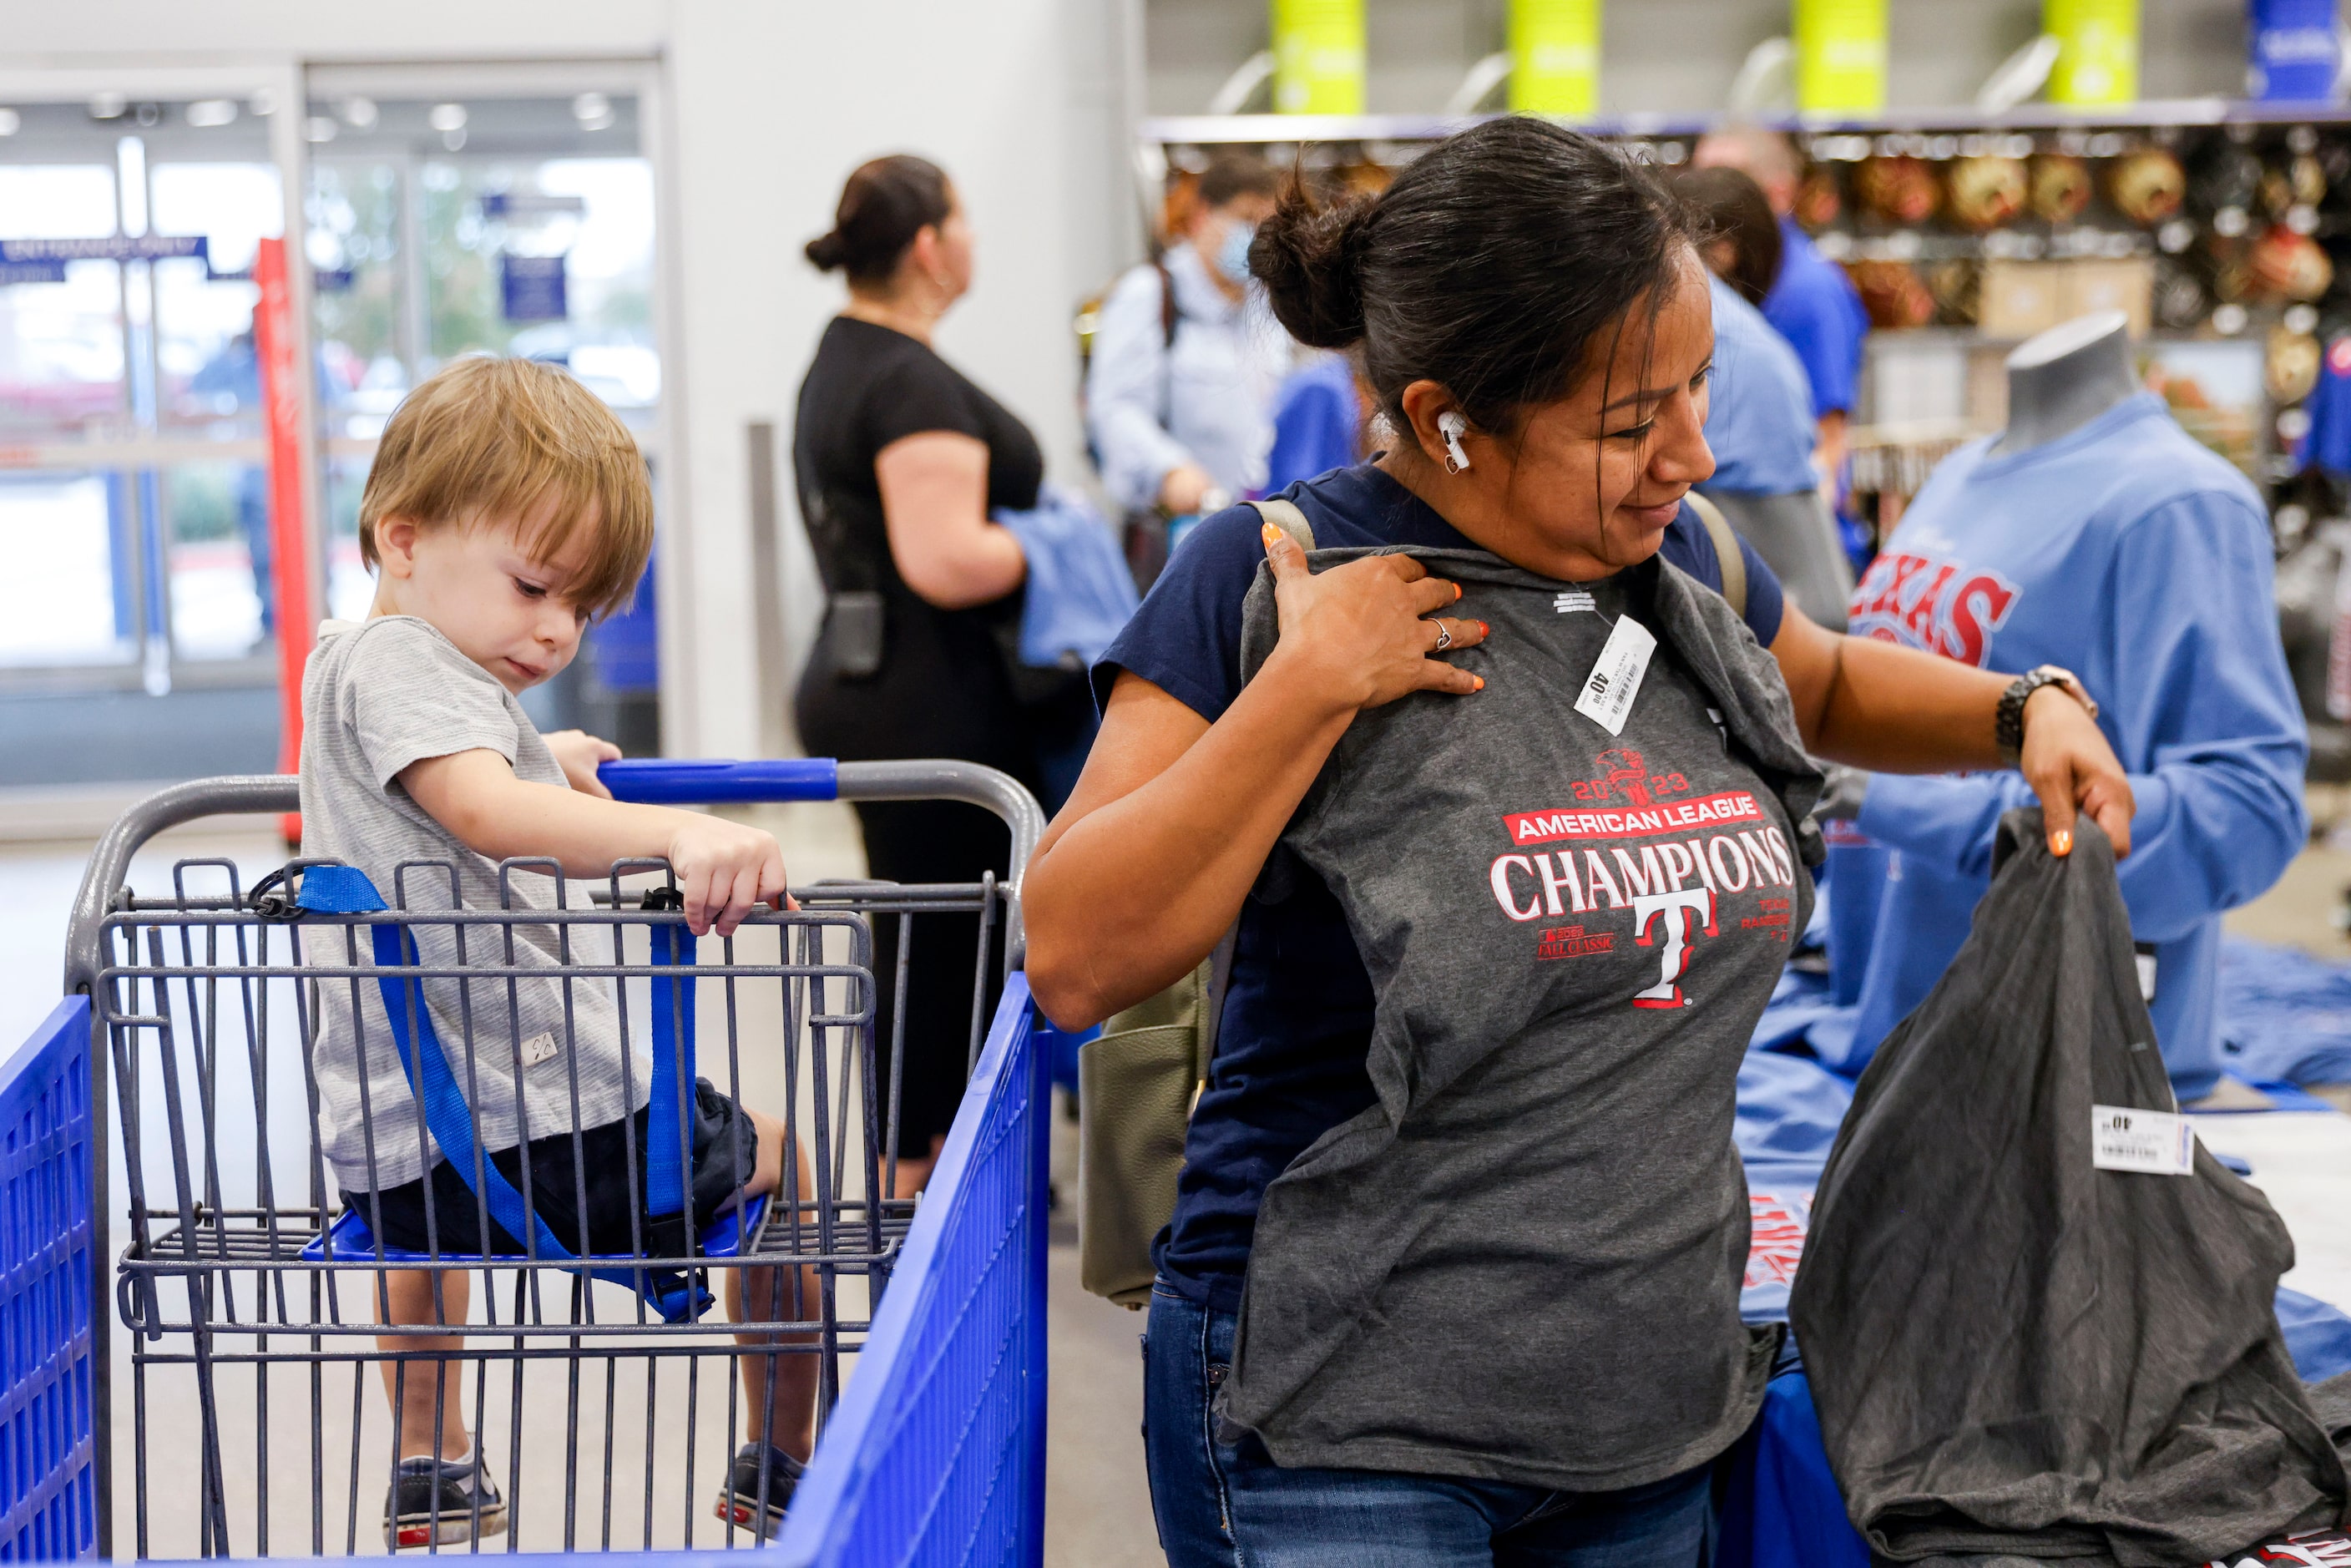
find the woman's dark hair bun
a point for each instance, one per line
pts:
(826, 251)
(1489, 265)
(1308, 255)
(883, 205)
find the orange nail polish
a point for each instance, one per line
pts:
(1272, 535)
(1457, 593)
(2062, 841)
(1482, 682)
(1484, 631)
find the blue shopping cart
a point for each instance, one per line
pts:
(176, 1089)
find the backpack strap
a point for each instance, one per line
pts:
(1285, 515)
(1727, 553)
(1168, 314)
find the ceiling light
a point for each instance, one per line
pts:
(263, 101)
(446, 117)
(359, 114)
(207, 112)
(10, 123)
(454, 141)
(319, 127)
(593, 110)
(108, 105)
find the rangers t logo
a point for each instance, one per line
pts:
(1674, 911)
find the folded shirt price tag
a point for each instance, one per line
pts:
(2153, 1143)
(1615, 677)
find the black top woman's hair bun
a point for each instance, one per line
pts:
(1308, 255)
(827, 251)
(883, 205)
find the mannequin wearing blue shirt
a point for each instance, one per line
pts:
(2095, 534)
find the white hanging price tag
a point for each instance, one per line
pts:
(2153, 1143)
(1616, 678)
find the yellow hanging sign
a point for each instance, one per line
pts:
(1556, 57)
(2097, 51)
(1318, 56)
(1840, 56)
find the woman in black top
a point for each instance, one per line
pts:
(899, 459)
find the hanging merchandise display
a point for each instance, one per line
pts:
(1899, 189)
(2128, 1398)
(1818, 201)
(1893, 294)
(1555, 56)
(2061, 187)
(2290, 365)
(1987, 192)
(1318, 56)
(2097, 51)
(2287, 265)
(1840, 56)
(2147, 185)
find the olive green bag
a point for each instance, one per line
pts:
(1137, 1082)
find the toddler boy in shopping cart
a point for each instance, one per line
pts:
(507, 506)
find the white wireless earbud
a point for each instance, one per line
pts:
(1452, 426)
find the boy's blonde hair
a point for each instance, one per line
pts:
(516, 438)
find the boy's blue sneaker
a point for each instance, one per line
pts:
(440, 1503)
(742, 1500)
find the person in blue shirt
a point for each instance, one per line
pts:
(1532, 319)
(1318, 422)
(1759, 416)
(2125, 551)
(1186, 359)
(1813, 304)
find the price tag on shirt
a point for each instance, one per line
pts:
(1615, 677)
(2153, 1143)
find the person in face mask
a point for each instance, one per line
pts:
(1188, 357)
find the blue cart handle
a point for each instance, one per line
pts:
(661, 781)
(653, 781)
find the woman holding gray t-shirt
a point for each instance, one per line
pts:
(1430, 1375)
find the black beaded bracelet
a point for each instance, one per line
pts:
(2008, 719)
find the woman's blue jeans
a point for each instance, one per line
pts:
(1230, 1506)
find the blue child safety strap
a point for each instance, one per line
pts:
(666, 1141)
(346, 890)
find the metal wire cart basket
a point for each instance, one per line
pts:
(602, 1387)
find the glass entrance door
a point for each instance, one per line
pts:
(140, 644)
(446, 217)
(127, 441)
(440, 210)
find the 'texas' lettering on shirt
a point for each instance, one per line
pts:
(1941, 606)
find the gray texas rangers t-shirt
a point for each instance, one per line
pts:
(1523, 1262)
(378, 696)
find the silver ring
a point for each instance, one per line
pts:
(1444, 638)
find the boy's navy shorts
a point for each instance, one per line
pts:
(726, 1151)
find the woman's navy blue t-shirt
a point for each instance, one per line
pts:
(1297, 1024)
